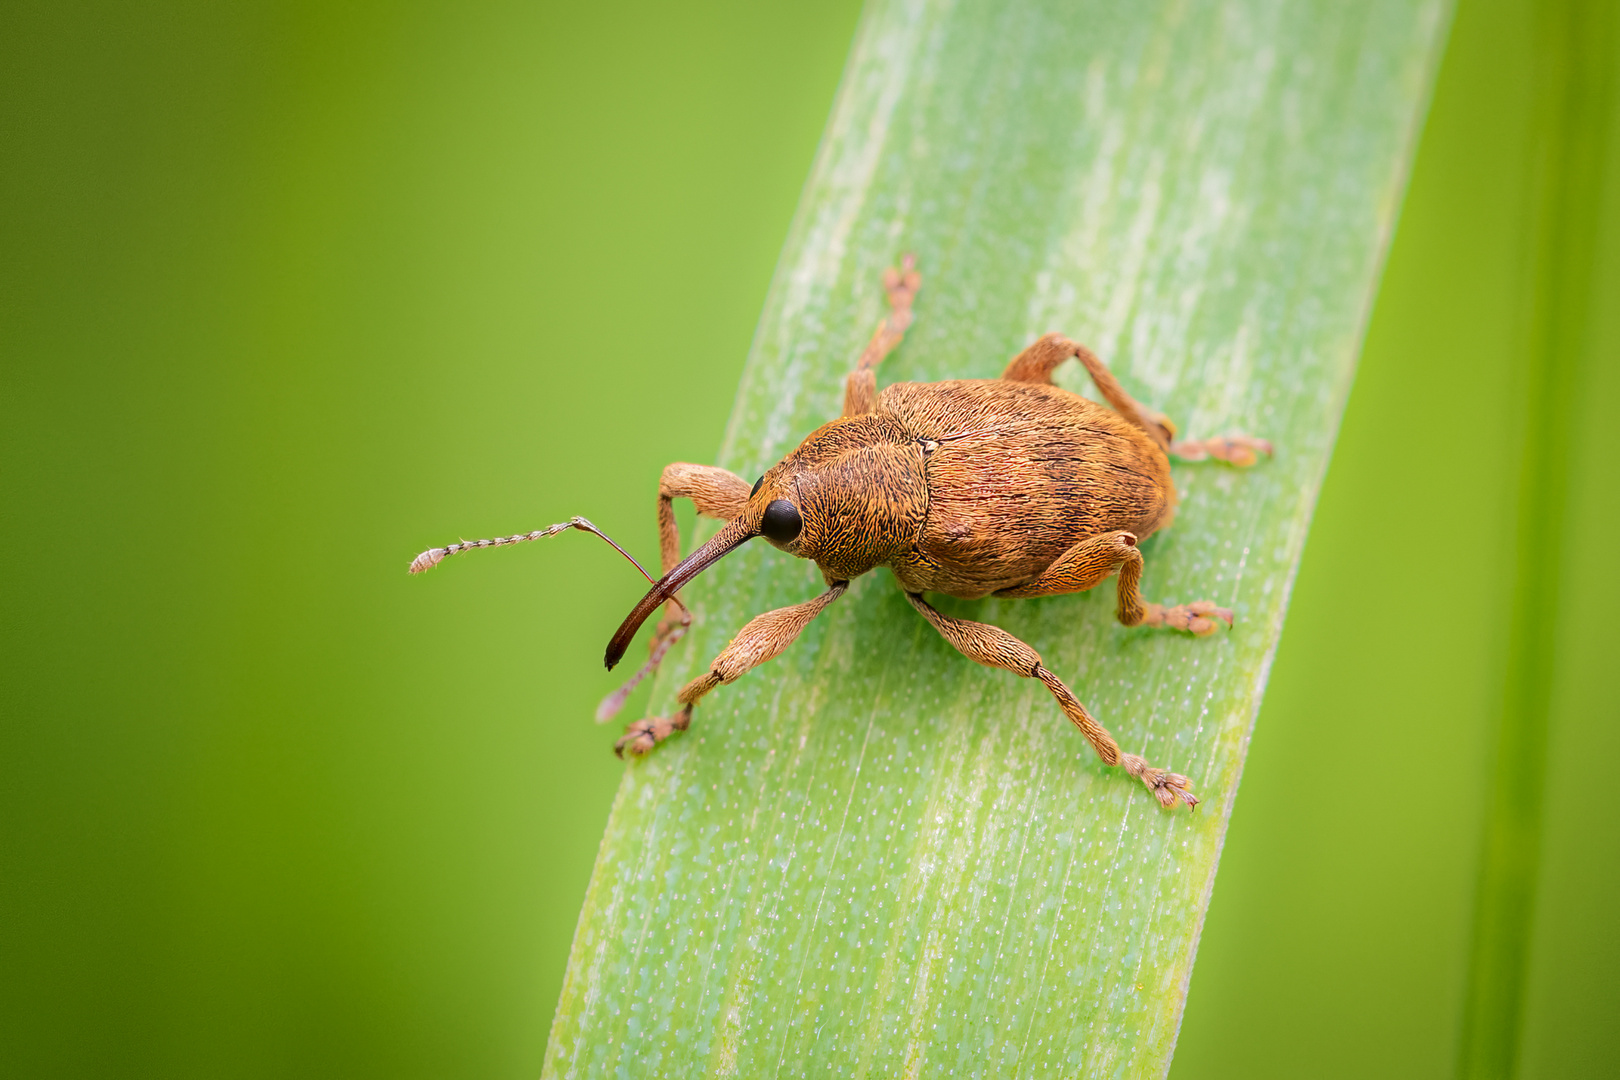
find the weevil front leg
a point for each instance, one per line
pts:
(994, 647)
(715, 493)
(901, 285)
(764, 638)
(1090, 562)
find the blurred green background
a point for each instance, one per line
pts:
(292, 292)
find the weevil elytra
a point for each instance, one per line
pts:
(1008, 487)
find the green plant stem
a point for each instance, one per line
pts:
(871, 857)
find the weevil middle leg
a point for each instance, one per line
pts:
(994, 647)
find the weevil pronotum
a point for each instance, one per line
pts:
(1008, 487)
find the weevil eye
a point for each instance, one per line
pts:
(781, 522)
(757, 483)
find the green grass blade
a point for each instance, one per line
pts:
(1574, 54)
(872, 857)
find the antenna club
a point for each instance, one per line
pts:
(428, 559)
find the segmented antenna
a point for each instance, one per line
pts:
(434, 556)
(615, 701)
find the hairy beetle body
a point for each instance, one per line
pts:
(1018, 473)
(1013, 487)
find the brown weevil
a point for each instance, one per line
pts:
(1008, 487)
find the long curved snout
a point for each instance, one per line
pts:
(737, 532)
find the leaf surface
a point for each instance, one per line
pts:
(872, 857)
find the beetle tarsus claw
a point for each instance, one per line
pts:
(640, 737)
(1201, 618)
(1240, 450)
(1167, 787)
(637, 738)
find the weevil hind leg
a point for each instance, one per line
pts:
(994, 647)
(1036, 364)
(1087, 565)
(900, 285)
(764, 638)
(1090, 562)
(1201, 618)
(1239, 450)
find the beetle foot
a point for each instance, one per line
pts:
(1168, 787)
(901, 284)
(1239, 450)
(640, 737)
(1201, 618)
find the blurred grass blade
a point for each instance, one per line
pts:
(1574, 54)
(873, 857)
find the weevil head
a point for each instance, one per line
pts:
(850, 498)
